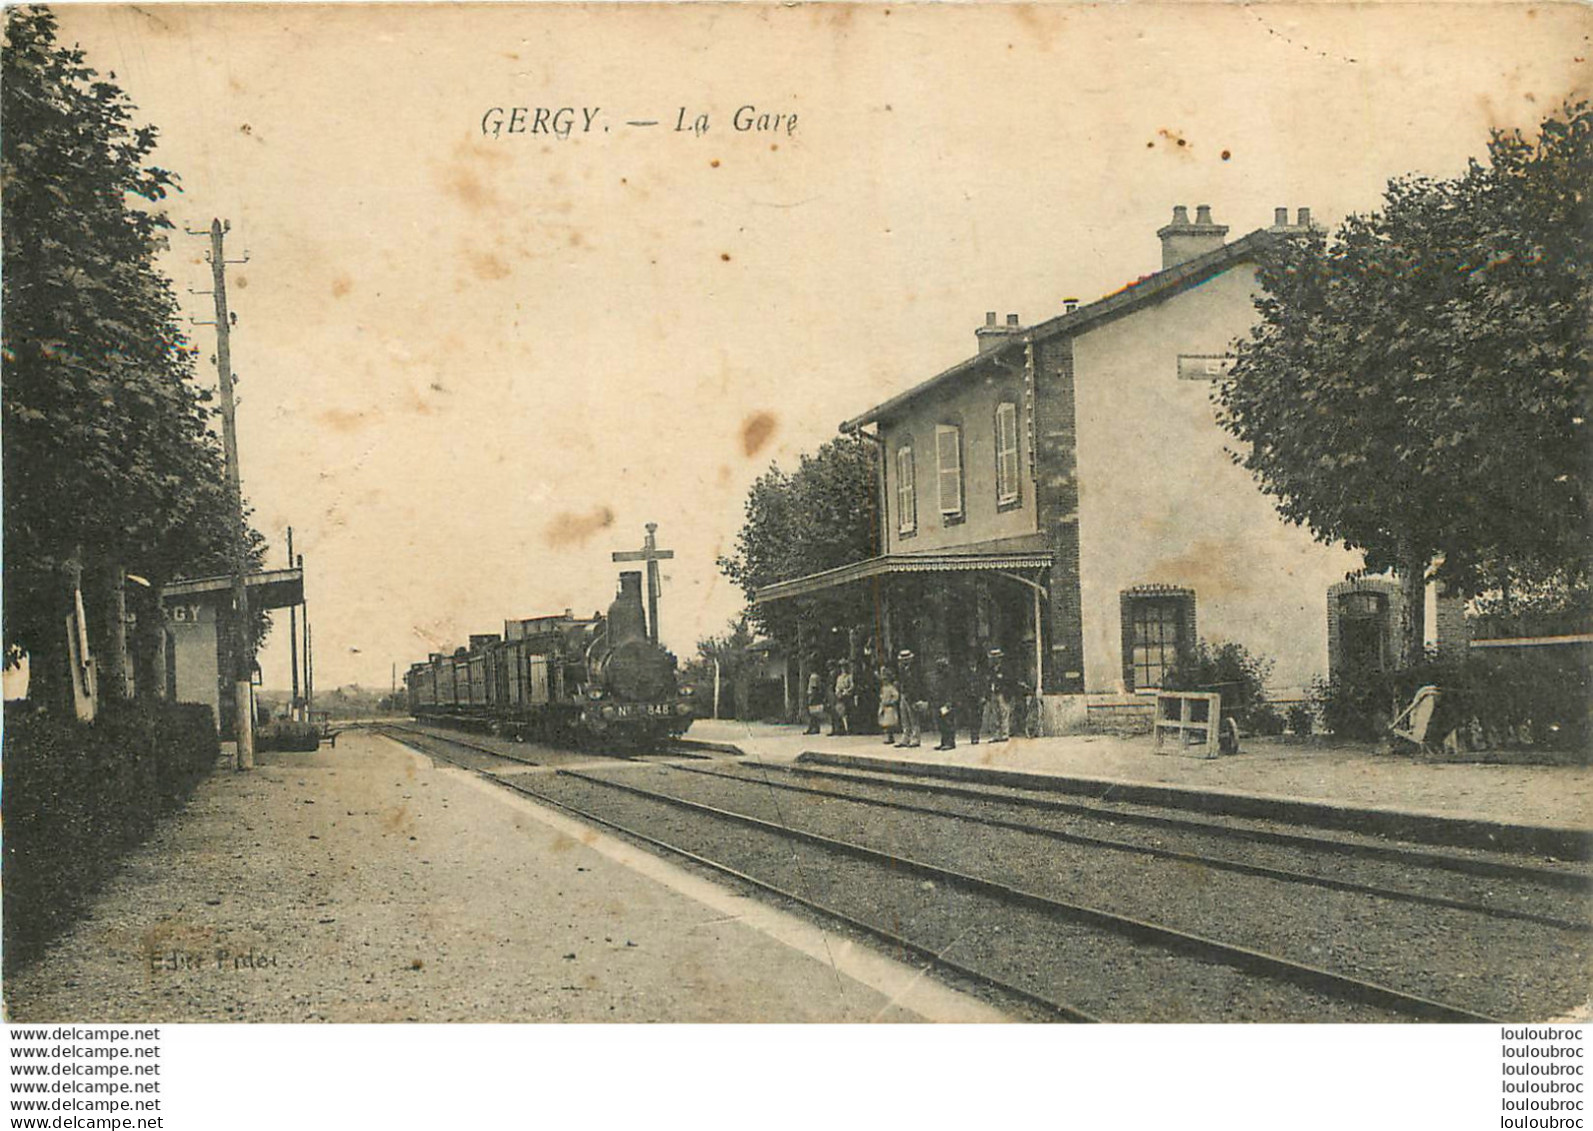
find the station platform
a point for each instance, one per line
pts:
(1313, 772)
(368, 883)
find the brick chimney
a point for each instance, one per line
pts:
(991, 335)
(1183, 241)
(1280, 221)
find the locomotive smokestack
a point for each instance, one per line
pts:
(625, 619)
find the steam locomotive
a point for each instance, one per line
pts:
(559, 679)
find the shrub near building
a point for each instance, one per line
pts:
(1239, 675)
(1531, 699)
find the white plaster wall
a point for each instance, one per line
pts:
(973, 400)
(1160, 501)
(194, 638)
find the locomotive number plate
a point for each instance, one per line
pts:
(632, 710)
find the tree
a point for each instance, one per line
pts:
(109, 460)
(819, 517)
(1417, 388)
(729, 654)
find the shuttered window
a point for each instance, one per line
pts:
(906, 491)
(1006, 452)
(948, 453)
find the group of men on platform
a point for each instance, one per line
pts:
(910, 701)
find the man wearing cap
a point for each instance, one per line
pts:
(914, 705)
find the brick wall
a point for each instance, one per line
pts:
(1454, 639)
(1057, 496)
(1389, 590)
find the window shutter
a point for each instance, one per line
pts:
(1006, 452)
(906, 492)
(948, 444)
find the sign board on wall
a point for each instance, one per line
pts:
(1204, 366)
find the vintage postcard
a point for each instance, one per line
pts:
(797, 513)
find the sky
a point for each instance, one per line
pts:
(473, 362)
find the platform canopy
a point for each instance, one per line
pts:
(992, 561)
(268, 589)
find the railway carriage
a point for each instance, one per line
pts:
(559, 678)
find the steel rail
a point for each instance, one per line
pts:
(1243, 958)
(476, 746)
(1061, 1010)
(1495, 869)
(1216, 862)
(637, 756)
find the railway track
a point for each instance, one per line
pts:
(1482, 862)
(430, 743)
(952, 918)
(758, 774)
(550, 757)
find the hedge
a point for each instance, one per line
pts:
(77, 796)
(1521, 698)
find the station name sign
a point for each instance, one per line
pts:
(1204, 366)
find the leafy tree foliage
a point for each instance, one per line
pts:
(819, 517)
(736, 666)
(109, 459)
(1417, 387)
(1239, 674)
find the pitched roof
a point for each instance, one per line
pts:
(1152, 288)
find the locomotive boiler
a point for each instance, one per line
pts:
(560, 679)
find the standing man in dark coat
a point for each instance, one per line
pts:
(974, 686)
(943, 699)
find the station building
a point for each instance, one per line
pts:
(1067, 494)
(195, 636)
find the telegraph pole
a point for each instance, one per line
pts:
(309, 663)
(242, 650)
(305, 651)
(293, 640)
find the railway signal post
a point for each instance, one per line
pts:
(652, 555)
